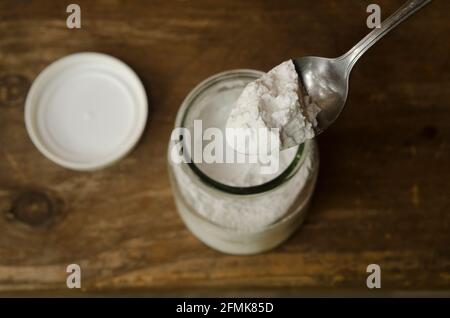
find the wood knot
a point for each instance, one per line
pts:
(429, 132)
(13, 89)
(33, 208)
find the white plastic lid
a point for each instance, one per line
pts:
(86, 111)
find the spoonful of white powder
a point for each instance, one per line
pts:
(274, 101)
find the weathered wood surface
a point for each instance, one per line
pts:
(383, 190)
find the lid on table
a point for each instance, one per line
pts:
(86, 111)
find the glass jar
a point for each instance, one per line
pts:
(231, 218)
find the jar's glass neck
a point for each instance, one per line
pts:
(188, 112)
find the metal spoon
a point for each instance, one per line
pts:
(326, 80)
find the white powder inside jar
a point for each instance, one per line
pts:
(275, 101)
(246, 213)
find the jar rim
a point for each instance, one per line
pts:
(272, 184)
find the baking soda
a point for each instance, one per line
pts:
(275, 101)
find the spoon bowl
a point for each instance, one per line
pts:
(323, 80)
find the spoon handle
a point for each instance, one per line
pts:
(352, 56)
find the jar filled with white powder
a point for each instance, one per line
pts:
(235, 206)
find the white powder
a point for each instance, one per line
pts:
(245, 213)
(275, 101)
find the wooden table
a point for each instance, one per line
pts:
(383, 190)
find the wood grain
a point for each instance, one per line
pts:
(383, 190)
